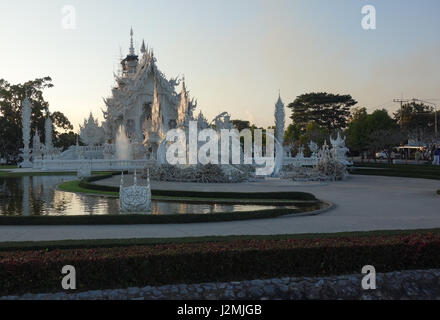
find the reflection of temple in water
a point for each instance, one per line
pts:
(37, 195)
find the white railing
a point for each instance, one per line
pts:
(100, 164)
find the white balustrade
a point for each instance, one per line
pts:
(96, 164)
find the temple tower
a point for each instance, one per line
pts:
(130, 63)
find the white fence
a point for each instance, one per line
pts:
(101, 164)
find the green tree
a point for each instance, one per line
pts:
(314, 132)
(66, 139)
(385, 140)
(418, 120)
(292, 134)
(360, 130)
(327, 110)
(241, 124)
(11, 97)
(357, 113)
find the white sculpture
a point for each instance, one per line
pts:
(135, 199)
(91, 133)
(26, 113)
(280, 118)
(36, 146)
(339, 150)
(314, 148)
(329, 166)
(48, 128)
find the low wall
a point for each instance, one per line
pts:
(95, 165)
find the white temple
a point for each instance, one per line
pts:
(144, 101)
(142, 107)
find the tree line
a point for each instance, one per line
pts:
(316, 116)
(11, 97)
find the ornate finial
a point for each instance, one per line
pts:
(131, 43)
(143, 49)
(135, 177)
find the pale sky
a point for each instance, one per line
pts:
(235, 54)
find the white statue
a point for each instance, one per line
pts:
(339, 149)
(135, 199)
(36, 146)
(48, 128)
(26, 113)
(280, 118)
(314, 148)
(279, 135)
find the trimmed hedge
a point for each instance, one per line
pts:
(109, 268)
(397, 170)
(396, 173)
(303, 196)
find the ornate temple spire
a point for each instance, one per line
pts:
(280, 118)
(182, 110)
(143, 48)
(156, 112)
(48, 130)
(131, 43)
(130, 63)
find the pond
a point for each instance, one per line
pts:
(38, 196)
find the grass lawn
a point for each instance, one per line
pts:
(74, 186)
(8, 167)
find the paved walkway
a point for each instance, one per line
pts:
(363, 203)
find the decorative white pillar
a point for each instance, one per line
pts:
(280, 117)
(26, 112)
(48, 128)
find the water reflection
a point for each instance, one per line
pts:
(38, 196)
